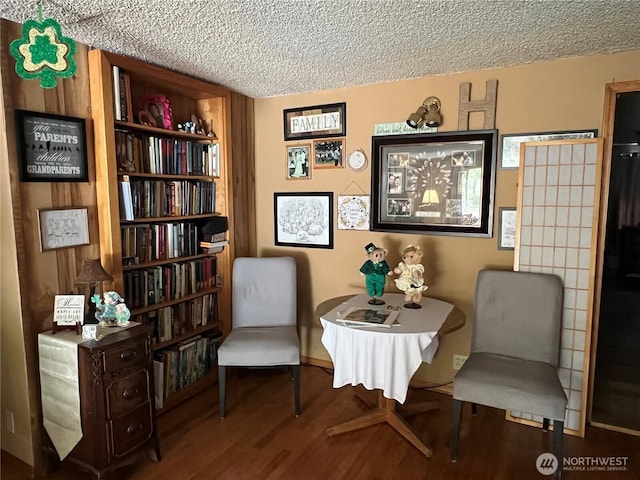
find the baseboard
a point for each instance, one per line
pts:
(15, 465)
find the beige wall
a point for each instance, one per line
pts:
(12, 350)
(27, 304)
(545, 96)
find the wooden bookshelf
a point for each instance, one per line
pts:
(188, 98)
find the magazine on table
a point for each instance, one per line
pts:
(368, 317)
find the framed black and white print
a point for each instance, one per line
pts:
(506, 228)
(63, 227)
(510, 143)
(440, 183)
(303, 219)
(51, 148)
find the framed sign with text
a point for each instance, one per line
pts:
(318, 121)
(51, 148)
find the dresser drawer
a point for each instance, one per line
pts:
(127, 393)
(128, 357)
(131, 430)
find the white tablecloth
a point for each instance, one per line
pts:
(384, 358)
(59, 387)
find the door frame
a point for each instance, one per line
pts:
(608, 120)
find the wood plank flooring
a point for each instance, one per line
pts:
(261, 439)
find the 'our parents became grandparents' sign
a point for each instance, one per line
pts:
(52, 147)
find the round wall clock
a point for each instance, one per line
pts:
(357, 160)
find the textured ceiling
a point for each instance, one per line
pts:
(265, 48)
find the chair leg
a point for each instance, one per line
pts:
(222, 380)
(455, 429)
(558, 437)
(545, 424)
(295, 370)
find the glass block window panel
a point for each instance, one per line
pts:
(558, 200)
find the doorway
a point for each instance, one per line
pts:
(616, 378)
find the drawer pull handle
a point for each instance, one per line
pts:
(133, 428)
(129, 393)
(128, 355)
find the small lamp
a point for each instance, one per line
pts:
(91, 274)
(428, 112)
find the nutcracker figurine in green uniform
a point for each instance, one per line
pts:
(375, 270)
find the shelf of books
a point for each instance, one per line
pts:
(161, 141)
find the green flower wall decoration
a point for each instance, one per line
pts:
(44, 52)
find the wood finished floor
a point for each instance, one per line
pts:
(261, 439)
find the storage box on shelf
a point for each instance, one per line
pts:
(157, 187)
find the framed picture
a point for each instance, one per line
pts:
(299, 161)
(353, 212)
(328, 153)
(51, 148)
(317, 121)
(510, 150)
(507, 228)
(63, 228)
(155, 111)
(441, 183)
(303, 219)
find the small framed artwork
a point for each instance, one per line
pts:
(507, 228)
(328, 153)
(299, 161)
(353, 212)
(51, 148)
(303, 219)
(318, 121)
(434, 183)
(63, 228)
(155, 111)
(510, 151)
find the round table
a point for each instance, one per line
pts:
(385, 359)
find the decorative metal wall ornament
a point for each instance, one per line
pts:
(43, 52)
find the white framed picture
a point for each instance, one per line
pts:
(510, 148)
(353, 212)
(63, 228)
(507, 228)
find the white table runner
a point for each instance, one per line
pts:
(59, 385)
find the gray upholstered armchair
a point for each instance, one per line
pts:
(514, 352)
(264, 332)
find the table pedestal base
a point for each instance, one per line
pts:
(386, 411)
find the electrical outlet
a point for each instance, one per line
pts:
(10, 425)
(458, 361)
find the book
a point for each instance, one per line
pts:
(213, 247)
(116, 93)
(214, 237)
(368, 317)
(126, 199)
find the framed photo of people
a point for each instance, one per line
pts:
(298, 158)
(440, 183)
(328, 153)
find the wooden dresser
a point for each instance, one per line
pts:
(116, 401)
